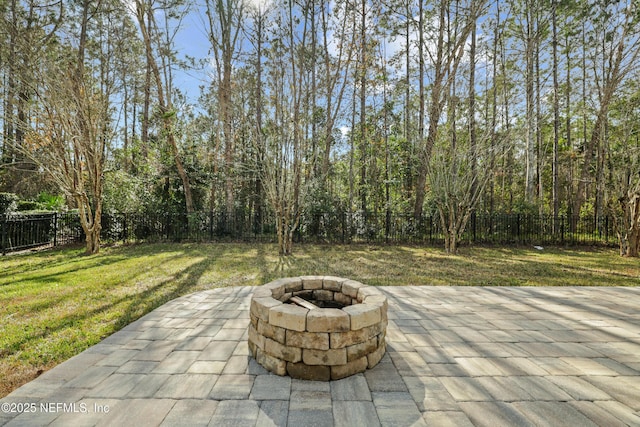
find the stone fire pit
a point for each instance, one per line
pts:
(317, 327)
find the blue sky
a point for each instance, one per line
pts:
(192, 41)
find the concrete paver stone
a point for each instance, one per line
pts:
(455, 356)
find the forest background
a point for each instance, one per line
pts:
(362, 106)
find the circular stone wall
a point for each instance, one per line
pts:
(323, 343)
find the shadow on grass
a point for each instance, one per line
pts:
(28, 267)
(37, 277)
(38, 322)
(43, 316)
(153, 297)
(137, 306)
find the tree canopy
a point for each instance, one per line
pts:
(363, 106)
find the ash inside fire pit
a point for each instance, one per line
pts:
(317, 327)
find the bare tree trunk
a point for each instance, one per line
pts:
(352, 147)
(147, 100)
(10, 91)
(447, 59)
(472, 100)
(507, 182)
(567, 95)
(628, 226)
(530, 153)
(166, 109)
(617, 62)
(600, 157)
(425, 151)
(494, 106)
(577, 203)
(91, 223)
(224, 27)
(258, 130)
(435, 110)
(70, 128)
(227, 130)
(29, 28)
(540, 151)
(556, 118)
(326, 155)
(90, 219)
(352, 159)
(284, 150)
(408, 127)
(339, 77)
(590, 148)
(364, 145)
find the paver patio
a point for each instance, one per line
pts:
(456, 356)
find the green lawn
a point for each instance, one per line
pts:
(55, 304)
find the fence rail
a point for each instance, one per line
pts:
(19, 232)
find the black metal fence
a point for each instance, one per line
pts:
(19, 232)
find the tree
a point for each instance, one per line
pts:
(456, 188)
(384, 106)
(624, 186)
(283, 150)
(281, 179)
(72, 129)
(223, 28)
(624, 204)
(446, 61)
(259, 14)
(627, 218)
(336, 72)
(528, 31)
(555, 186)
(363, 66)
(463, 162)
(28, 29)
(150, 31)
(618, 35)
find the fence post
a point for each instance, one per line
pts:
(473, 224)
(3, 234)
(211, 225)
(387, 224)
(55, 229)
(125, 231)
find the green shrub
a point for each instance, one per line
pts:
(8, 203)
(28, 205)
(50, 202)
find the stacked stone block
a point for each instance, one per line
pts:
(320, 344)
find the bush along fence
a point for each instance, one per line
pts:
(20, 232)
